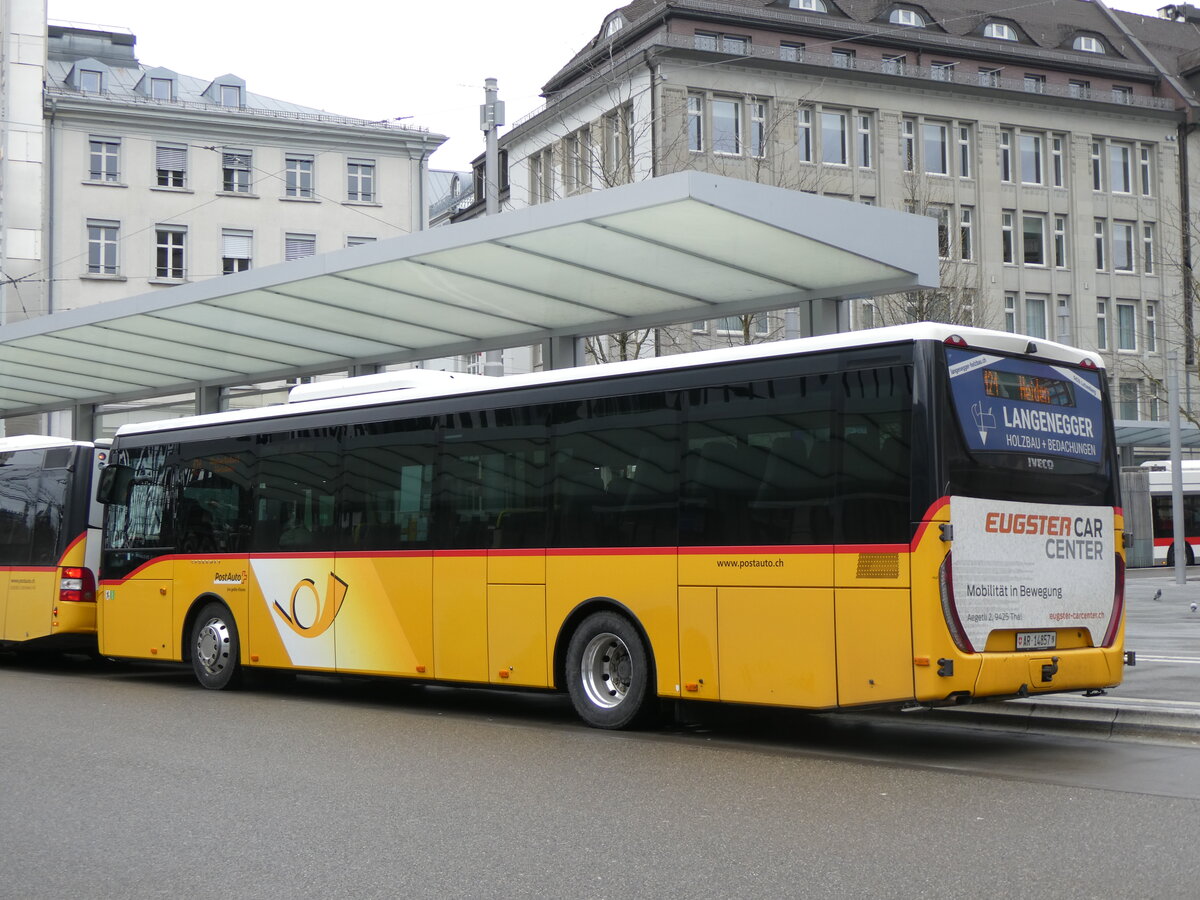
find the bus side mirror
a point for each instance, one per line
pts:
(116, 482)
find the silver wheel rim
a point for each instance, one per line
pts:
(212, 646)
(606, 670)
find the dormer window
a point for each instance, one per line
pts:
(615, 24)
(809, 5)
(91, 81)
(228, 91)
(231, 95)
(1088, 44)
(1000, 31)
(162, 89)
(907, 17)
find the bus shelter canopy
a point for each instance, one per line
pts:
(681, 248)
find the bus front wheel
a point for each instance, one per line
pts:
(608, 672)
(215, 648)
(1191, 559)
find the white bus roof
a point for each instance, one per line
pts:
(37, 442)
(349, 397)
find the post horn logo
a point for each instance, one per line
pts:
(327, 607)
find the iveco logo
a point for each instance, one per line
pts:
(1037, 462)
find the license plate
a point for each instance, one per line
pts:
(1036, 640)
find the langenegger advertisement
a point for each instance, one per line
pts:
(1026, 566)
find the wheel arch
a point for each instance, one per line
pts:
(578, 614)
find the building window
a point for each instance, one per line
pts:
(907, 17)
(843, 59)
(758, 128)
(1033, 231)
(1126, 326)
(964, 151)
(1100, 242)
(966, 233)
(170, 162)
(1060, 242)
(705, 40)
(726, 127)
(892, 65)
(1057, 166)
(1127, 399)
(1102, 324)
(1079, 89)
(360, 180)
(941, 71)
(298, 246)
(1145, 170)
(104, 159)
(1122, 94)
(1031, 159)
(999, 31)
(102, 247)
(1122, 246)
(1151, 333)
(1148, 248)
(934, 148)
(614, 25)
(1035, 316)
(1088, 44)
(909, 144)
(1119, 175)
(695, 117)
(541, 176)
(1097, 166)
(791, 52)
(162, 89)
(1006, 156)
(1006, 235)
(236, 250)
(235, 171)
(169, 246)
(804, 134)
(231, 95)
(1034, 84)
(91, 81)
(942, 215)
(809, 5)
(833, 138)
(864, 142)
(352, 241)
(298, 177)
(1010, 313)
(1064, 319)
(989, 77)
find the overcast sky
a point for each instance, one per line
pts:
(379, 59)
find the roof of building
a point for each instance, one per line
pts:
(1040, 26)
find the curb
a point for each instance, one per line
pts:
(1119, 718)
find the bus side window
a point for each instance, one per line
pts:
(293, 500)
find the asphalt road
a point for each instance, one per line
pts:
(1165, 634)
(130, 781)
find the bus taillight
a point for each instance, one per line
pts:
(949, 612)
(76, 585)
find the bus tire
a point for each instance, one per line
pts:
(215, 647)
(608, 672)
(1191, 559)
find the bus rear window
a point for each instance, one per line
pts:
(1025, 407)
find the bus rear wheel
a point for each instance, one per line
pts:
(215, 648)
(608, 672)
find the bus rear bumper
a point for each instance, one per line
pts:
(1006, 674)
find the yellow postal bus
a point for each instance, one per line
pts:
(49, 542)
(903, 516)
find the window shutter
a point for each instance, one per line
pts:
(299, 246)
(172, 159)
(236, 246)
(235, 159)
